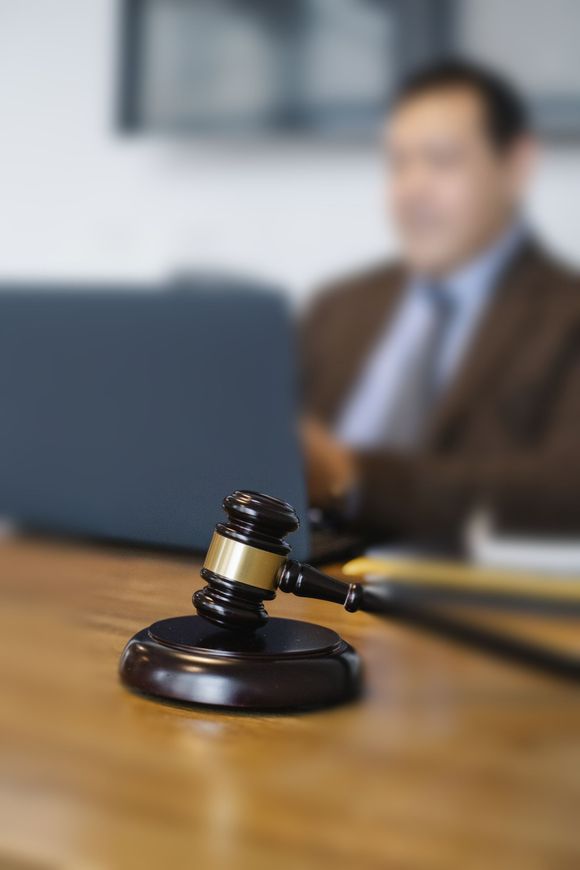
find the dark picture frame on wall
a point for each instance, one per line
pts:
(304, 67)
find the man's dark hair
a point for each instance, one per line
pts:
(506, 112)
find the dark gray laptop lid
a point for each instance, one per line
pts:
(130, 413)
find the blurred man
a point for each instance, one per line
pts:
(451, 380)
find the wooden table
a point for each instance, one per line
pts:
(451, 759)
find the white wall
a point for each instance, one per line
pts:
(78, 200)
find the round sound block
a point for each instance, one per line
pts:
(286, 665)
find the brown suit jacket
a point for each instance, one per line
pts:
(506, 434)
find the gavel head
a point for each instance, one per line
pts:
(244, 560)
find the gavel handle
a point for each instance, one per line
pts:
(307, 582)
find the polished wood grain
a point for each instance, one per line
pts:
(450, 760)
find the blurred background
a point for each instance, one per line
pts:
(143, 136)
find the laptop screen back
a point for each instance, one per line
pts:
(130, 414)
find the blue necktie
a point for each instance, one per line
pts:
(419, 388)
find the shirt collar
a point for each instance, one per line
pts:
(472, 283)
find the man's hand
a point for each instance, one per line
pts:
(330, 466)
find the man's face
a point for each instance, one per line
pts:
(451, 190)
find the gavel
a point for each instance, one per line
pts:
(232, 654)
(247, 563)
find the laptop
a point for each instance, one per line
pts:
(128, 413)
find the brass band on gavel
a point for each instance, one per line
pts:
(240, 562)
